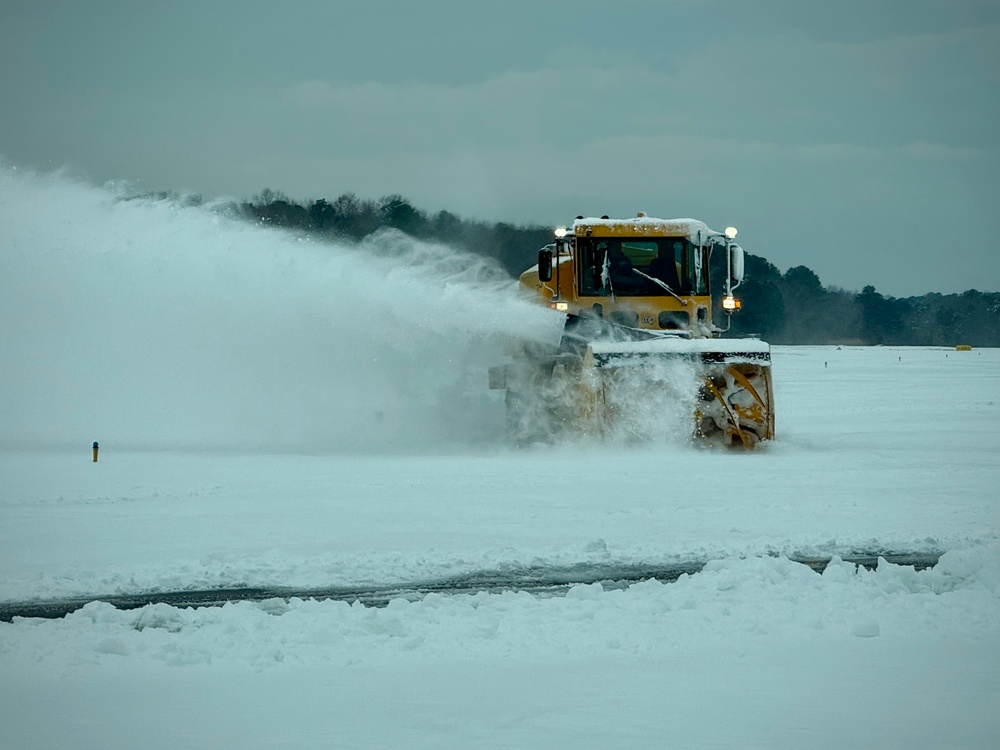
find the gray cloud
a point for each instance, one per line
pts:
(852, 138)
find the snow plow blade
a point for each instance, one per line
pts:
(706, 351)
(723, 386)
(735, 402)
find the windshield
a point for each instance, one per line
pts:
(620, 267)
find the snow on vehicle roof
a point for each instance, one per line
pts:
(644, 225)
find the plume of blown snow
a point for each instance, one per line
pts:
(148, 323)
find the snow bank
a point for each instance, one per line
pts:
(730, 599)
(761, 651)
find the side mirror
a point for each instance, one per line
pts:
(736, 263)
(545, 264)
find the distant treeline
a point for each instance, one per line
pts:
(785, 308)
(514, 247)
(795, 308)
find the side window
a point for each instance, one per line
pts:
(593, 255)
(680, 248)
(699, 280)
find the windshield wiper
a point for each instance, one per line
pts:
(662, 284)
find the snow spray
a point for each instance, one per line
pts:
(208, 331)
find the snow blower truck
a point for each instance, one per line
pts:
(638, 337)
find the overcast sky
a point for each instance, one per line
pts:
(856, 137)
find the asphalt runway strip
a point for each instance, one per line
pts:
(543, 581)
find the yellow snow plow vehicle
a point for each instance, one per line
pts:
(639, 337)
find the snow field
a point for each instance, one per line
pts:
(878, 449)
(272, 413)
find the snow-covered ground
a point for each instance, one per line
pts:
(879, 449)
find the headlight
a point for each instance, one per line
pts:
(561, 231)
(731, 303)
(560, 306)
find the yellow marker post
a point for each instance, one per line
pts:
(95, 451)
